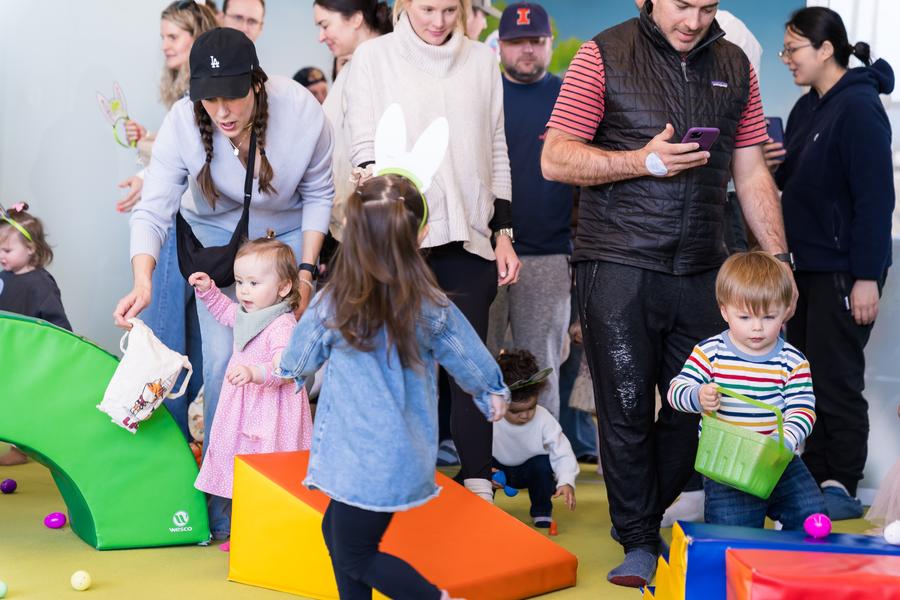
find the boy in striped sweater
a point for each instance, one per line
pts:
(754, 292)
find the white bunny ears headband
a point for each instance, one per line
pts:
(417, 165)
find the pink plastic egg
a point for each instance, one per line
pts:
(55, 520)
(817, 525)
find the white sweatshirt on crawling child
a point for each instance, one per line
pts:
(514, 444)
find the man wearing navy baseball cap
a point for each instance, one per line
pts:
(538, 310)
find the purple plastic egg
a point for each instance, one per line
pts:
(55, 520)
(8, 486)
(817, 525)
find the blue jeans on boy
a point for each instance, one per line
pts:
(218, 346)
(535, 475)
(795, 497)
(172, 317)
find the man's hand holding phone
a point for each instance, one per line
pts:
(665, 159)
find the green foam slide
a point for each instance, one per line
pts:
(122, 490)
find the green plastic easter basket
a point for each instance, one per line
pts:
(744, 459)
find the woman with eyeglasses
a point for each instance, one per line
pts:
(205, 143)
(838, 197)
(172, 314)
(246, 16)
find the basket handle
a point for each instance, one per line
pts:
(779, 418)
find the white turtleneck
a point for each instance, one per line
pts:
(459, 80)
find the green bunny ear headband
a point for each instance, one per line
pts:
(419, 164)
(115, 110)
(415, 181)
(4, 214)
(534, 379)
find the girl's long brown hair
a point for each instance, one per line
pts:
(380, 278)
(258, 80)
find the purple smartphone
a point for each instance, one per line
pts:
(705, 136)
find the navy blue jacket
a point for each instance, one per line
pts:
(837, 178)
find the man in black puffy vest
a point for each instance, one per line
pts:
(651, 235)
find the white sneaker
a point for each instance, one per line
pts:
(482, 488)
(687, 507)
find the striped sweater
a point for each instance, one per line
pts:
(780, 378)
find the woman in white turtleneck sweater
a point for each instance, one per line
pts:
(432, 70)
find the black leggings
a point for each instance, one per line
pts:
(352, 536)
(471, 283)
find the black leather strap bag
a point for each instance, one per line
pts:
(216, 261)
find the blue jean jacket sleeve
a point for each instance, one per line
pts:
(307, 349)
(460, 351)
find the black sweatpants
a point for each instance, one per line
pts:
(639, 328)
(352, 536)
(824, 330)
(471, 283)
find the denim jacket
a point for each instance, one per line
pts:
(375, 438)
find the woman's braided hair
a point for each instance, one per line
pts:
(260, 124)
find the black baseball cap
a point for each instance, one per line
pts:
(221, 62)
(308, 76)
(524, 20)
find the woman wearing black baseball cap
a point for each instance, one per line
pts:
(205, 143)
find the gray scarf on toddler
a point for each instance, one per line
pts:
(248, 325)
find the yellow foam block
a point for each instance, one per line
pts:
(678, 561)
(457, 541)
(275, 533)
(663, 581)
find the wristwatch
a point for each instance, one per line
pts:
(309, 267)
(787, 257)
(507, 231)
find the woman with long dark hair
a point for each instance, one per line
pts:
(172, 313)
(343, 26)
(205, 143)
(838, 197)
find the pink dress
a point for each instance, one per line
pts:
(255, 418)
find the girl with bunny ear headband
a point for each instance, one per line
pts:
(383, 324)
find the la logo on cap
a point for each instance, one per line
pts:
(213, 63)
(524, 16)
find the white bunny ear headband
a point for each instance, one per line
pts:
(419, 164)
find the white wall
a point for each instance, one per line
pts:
(57, 152)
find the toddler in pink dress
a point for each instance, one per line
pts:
(257, 412)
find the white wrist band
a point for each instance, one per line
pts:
(655, 165)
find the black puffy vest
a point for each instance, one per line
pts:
(674, 225)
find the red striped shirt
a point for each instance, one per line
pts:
(581, 103)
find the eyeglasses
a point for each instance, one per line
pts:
(240, 20)
(786, 52)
